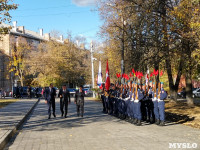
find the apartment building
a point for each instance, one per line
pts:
(7, 79)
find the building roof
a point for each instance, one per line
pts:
(28, 33)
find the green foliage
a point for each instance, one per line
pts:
(57, 63)
(5, 7)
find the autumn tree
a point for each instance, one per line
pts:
(5, 7)
(20, 50)
(57, 63)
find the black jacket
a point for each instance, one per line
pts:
(79, 97)
(50, 95)
(65, 95)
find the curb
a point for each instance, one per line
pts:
(17, 126)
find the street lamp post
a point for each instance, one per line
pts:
(122, 51)
(92, 63)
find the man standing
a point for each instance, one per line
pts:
(162, 95)
(79, 101)
(64, 100)
(50, 94)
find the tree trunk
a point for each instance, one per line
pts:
(189, 98)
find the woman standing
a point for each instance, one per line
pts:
(79, 101)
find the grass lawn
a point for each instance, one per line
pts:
(5, 102)
(180, 113)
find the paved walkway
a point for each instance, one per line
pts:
(12, 114)
(96, 131)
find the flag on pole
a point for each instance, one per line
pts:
(107, 85)
(99, 79)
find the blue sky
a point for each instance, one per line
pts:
(61, 15)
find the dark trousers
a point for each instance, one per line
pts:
(161, 110)
(63, 103)
(51, 103)
(80, 109)
(110, 102)
(106, 104)
(103, 102)
(138, 114)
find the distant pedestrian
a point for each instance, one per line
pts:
(43, 92)
(29, 92)
(21, 92)
(50, 94)
(17, 92)
(1, 93)
(79, 101)
(64, 100)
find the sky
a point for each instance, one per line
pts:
(80, 17)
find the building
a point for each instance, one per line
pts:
(7, 80)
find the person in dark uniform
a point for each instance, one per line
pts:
(17, 92)
(64, 100)
(50, 94)
(112, 95)
(29, 92)
(79, 101)
(162, 95)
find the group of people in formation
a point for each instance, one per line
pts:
(136, 102)
(64, 95)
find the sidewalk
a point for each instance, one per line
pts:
(12, 116)
(96, 131)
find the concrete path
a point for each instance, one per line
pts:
(96, 131)
(12, 116)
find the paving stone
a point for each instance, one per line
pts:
(96, 131)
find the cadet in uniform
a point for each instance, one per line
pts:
(137, 103)
(161, 104)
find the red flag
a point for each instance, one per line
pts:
(133, 71)
(118, 75)
(130, 75)
(101, 87)
(136, 74)
(107, 85)
(151, 74)
(161, 73)
(157, 72)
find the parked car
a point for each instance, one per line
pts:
(182, 94)
(72, 91)
(88, 92)
(196, 93)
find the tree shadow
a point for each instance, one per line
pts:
(173, 119)
(38, 120)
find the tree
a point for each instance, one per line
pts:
(5, 7)
(57, 63)
(158, 34)
(20, 49)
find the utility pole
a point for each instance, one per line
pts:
(92, 61)
(122, 51)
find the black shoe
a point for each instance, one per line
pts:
(49, 117)
(62, 114)
(82, 116)
(157, 122)
(65, 116)
(139, 123)
(135, 121)
(162, 123)
(54, 115)
(151, 120)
